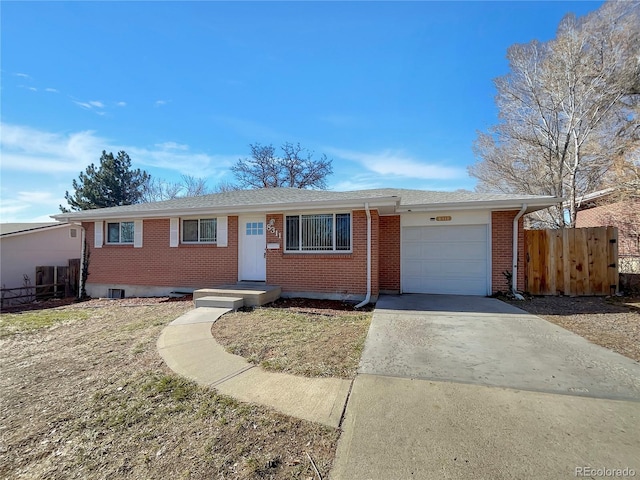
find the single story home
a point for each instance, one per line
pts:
(311, 243)
(25, 246)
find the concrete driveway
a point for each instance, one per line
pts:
(470, 387)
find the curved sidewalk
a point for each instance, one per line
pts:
(188, 348)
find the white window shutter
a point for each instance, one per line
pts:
(222, 224)
(137, 234)
(174, 232)
(98, 239)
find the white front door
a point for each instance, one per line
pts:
(252, 255)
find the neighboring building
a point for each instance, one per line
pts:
(605, 209)
(310, 243)
(25, 246)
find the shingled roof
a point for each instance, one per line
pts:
(11, 228)
(272, 199)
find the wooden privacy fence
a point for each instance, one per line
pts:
(572, 261)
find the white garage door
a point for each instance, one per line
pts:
(443, 259)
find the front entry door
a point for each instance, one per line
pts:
(252, 256)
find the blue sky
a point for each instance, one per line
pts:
(392, 92)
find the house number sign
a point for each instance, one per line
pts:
(271, 228)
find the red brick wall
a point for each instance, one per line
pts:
(502, 249)
(390, 253)
(342, 274)
(157, 264)
(198, 266)
(622, 215)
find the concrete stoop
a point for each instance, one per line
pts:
(234, 303)
(253, 294)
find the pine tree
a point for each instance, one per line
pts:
(113, 183)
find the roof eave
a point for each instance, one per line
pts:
(510, 204)
(34, 230)
(89, 215)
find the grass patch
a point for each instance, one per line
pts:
(317, 344)
(235, 439)
(29, 321)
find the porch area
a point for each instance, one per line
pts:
(242, 294)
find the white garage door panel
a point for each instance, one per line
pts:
(451, 259)
(444, 286)
(412, 235)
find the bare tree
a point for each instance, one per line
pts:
(225, 186)
(156, 190)
(564, 107)
(296, 168)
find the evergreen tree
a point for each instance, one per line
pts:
(112, 184)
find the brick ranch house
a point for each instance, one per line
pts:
(317, 244)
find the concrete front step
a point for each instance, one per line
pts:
(233, 303)
(253, 294)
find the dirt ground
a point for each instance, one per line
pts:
(90, 397)
(611, 322)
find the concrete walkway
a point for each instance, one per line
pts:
(189, 349)
(469, 387)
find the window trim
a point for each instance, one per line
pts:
(120, 242)
(333, 251)
(197, 242)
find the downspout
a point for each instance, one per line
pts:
(368, 297)
(514, 273)
(83, 239)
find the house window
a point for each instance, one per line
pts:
(255, 228)
(326, 232)
(120, 232)
(203, 230)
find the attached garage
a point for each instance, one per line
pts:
(445, 259)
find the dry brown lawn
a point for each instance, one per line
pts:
(84, 394)
(612, 323)
(298, 336)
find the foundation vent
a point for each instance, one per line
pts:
(116, 293)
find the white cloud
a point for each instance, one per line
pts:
(398, 164)
(10, 207)
(52, 90)
(362, 181)
(42, 153)
(160, 103)
(91, 105)
(177, 157)
(37, 196)
(25, 206)
(22, 75)
(37, 166)
(121, 104)
(30, 150)
(171, 146)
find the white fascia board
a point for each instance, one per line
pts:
(93, 215)
(532, 205)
